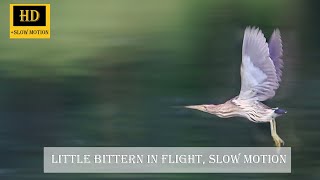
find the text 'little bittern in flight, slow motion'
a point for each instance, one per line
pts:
(260, 77)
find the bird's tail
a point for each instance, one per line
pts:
(280, 111)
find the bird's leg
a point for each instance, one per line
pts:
(278, 141)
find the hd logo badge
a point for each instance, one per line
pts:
(29, 21)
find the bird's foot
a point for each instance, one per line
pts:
(277, 140)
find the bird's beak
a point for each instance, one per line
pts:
(197, 107)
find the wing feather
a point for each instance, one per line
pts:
(258, 73)
(276, 52)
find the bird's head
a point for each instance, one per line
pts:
(208, 108)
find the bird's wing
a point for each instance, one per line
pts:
(275, 50)
(258, 73)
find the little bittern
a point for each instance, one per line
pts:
(260, 77)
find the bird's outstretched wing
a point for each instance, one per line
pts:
(275, 50)
(259, 78)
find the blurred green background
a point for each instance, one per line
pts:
(113, 69)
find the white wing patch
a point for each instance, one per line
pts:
(252, 73)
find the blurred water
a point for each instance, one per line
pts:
(115, 80)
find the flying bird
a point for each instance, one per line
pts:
(260, 77)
